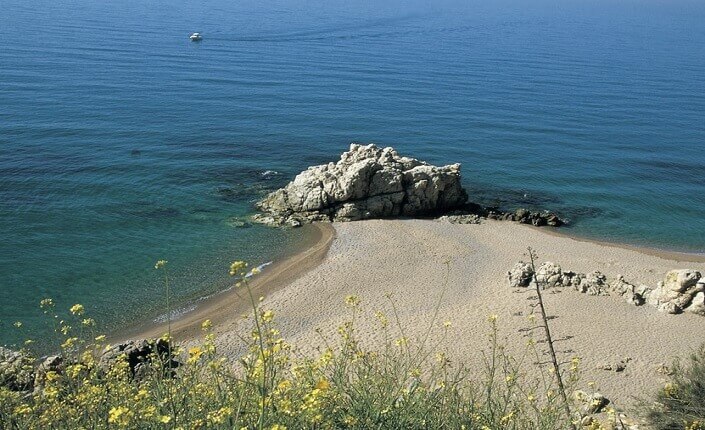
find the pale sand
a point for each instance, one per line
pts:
(406, 258)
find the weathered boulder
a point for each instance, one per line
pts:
(16, 370)
(460, 219)
(549, 275)
(677, 291)
(520, 275)
(590, 403)
(367, 182)
(697, 306)
(139, 356)
(594, 284)
(52, 363)
(630, 293)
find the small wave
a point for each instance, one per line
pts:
(260, 267)
(175, 314)
(269, 173)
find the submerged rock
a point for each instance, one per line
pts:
(367, 182)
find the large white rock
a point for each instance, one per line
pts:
(367, 182)
(677, 291)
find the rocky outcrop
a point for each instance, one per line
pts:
(550, 275)
(590, 403)
(16, 370)
(677, 291)
(140, 355)
(525, 216)
(371, 182)
(520, 275)
(680, 291)
(472, 213)
(21, 372)
(367, 182)
(630, 293)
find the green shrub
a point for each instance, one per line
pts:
(681, 402)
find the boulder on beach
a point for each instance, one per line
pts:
(677, 291)
(367, 182)
(681, 290)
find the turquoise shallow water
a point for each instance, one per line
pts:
(121, 142)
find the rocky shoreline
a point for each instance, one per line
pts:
(680, 291)
(369, 182)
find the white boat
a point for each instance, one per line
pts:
(195, 37)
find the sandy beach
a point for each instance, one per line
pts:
(406, 258)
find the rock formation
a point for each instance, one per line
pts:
(677, 291)
(367, 182)
(140, 354)
(680, 291)
(16, 370)
(525, 216)
(21, 372)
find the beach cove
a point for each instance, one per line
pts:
(406, 258)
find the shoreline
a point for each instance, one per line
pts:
(685, 257)
(405, 259)
(229, 304)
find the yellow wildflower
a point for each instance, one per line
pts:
(382, 319)
(447, 324)
(322, 385)
(118, 415)
(492, 318)
(165, 419)
(237, 267)
(194, 354)
(18, 324)
(505, 419)
(46, 303)
(267, 316)
(352, 301)
(77, 309)
(256, 271)
(206, 325)
(160, 264)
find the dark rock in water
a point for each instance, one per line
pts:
(140, 355)
(135, 152)
(238, 222)
(367, 182)
(523, 216)
(242, 191)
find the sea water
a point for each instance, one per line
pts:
(122, 142)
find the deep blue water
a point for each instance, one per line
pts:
(122, 142)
